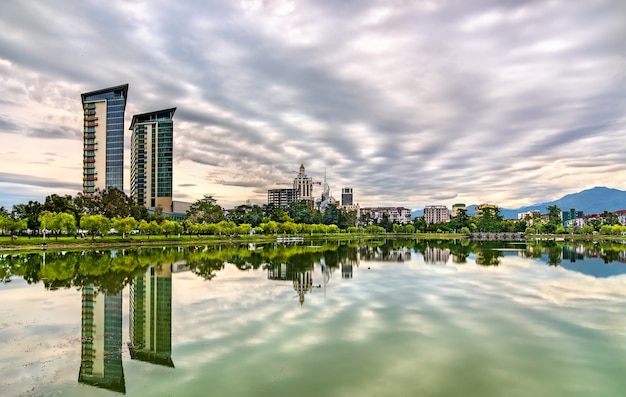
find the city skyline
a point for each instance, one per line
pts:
(414, 105)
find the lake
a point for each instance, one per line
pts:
(352, 318)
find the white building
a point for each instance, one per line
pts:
(436, 214)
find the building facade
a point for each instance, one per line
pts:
(151, 158)
(103, 138)
(456, 208)
(347, 197)
(398, 215)
(304, 185)
(568, 216)
(282, 197)
(436, 214)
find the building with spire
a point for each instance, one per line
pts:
(304, 186)
(103, 138)
(151, 158)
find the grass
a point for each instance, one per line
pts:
(64, 242)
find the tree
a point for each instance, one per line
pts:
(490, 220)
(346, 218)
(124, 225)
(144, 227)
(169, 227)
(48, 221)
(11, 224)
(331, 215)
(300, 212)
(95, 223)
(205, 210)
(270, 227)
(420, 224)
(66, 222)
(30, 212)
(154, 228)
(554, 216)
(461, 219)
(61, 204)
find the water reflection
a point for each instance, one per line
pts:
(362, 307)
(101, 340)
(150, 318)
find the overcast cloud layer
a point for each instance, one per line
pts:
(411, 103)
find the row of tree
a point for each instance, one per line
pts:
(64, 214)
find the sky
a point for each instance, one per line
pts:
(410, 103)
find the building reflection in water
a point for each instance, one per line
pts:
(150, 299)
(303, 283)
(436, 256)
(101, 343)
(302, 278)
(346, 270)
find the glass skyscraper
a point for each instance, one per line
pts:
(103, 139)
(151, 155)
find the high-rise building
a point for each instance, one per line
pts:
(103, 138)
(151, 155)
(346, 196)
(436, 214)
(282, 197)
(304, 185)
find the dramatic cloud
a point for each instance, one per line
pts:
(410, 104)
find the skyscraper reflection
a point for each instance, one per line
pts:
(150, 322)
(101, 343)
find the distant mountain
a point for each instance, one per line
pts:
(590, 201)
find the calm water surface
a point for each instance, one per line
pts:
(381, 318)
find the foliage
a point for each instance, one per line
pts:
(124, 225)
(490, 220)
(95, 224)
(205, 210)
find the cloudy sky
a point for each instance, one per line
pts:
(411, 103)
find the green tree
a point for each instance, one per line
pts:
(331, 215)
(95, 223)
(169, 227)
(144, 227)
(490, 220)
(154, 228)
(554, 216)
(113, 202)
(461, 219)
(30, 212)
(66, 223)
(124, 225)
(205, 210)
(300, 212)
(11, 224)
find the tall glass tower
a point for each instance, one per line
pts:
(103, 139)
(151, 156)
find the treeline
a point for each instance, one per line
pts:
(491, 221)
(113, 209)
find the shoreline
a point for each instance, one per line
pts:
(37, 243)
